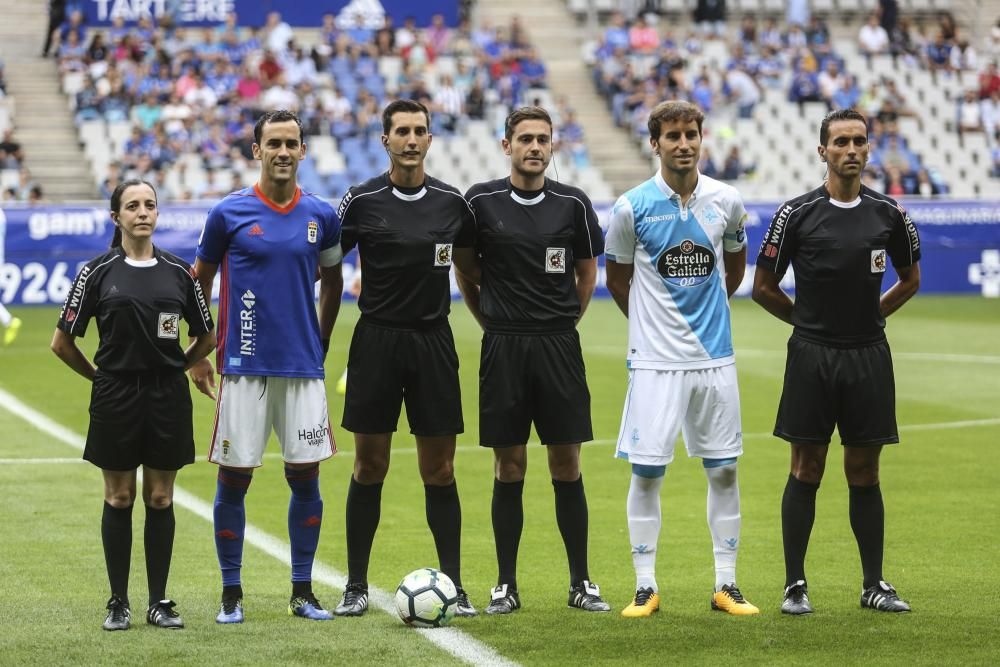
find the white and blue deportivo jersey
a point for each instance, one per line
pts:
(678, 307)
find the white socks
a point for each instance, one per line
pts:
(643, 508)
(723, 520)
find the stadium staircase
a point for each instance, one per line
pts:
(558, 38)
(43, 122)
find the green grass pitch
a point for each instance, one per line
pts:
(940, 485)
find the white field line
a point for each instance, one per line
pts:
(940, 426)
(450, 640)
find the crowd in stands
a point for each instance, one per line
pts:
(635, 65)
(199, 90)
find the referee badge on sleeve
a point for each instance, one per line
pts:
(442, 254)
(878, 261)
(169, 326)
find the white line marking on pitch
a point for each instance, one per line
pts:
(940, 426)
(450, 640)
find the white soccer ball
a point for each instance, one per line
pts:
(426, 598)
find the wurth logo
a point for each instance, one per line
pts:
(987, 274)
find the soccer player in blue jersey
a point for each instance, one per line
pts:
(676, 251)
(270, 240)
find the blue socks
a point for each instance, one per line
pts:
(230, 523)
(305, 516)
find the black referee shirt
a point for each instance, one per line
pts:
(839, 252)
(138, 306)
(405, 237)
(528, 243)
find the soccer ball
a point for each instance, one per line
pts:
(426, 598)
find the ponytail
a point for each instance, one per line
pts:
(116, 240)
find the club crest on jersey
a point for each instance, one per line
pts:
(169, 326)
(878, 261)
(686, 264)
(555, 260)
(313, 231)
(442, 254)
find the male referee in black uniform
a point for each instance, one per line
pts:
(406, 226)
(838, 238)
(537, 243)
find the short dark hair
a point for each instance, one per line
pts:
(279, 116)
(116, 203)
(522, 114)
(673, 110)
(833, 117)
(403, 106)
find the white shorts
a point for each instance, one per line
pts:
(704, 405)
(249, 406)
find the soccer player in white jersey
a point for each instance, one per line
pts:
(676, 252)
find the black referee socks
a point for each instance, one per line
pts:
(508, 521)
(868, 523)
(798, 511)
(444, 518)
(364, 509)
(116, 534)
(159, 545)
(572, 517)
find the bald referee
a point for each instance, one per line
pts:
(537, 243)
(838, 239)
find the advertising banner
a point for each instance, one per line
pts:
(45, 246)
(254, 12)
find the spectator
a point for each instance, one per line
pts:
(797, 12)
(873, 40)
(438, 35)
(963, 57)
(200, 96)
(938, 55)
(710, 17)
(990, 112)
(11, 153)
(359, 33)
(533, 71)
(88, 101)
(35, 195)
(475, 102)
(733, 168)
(743, 91)
(570, 139)
(72, 54)
(448, 104)
(385, 38)
(643, 37)
(894, 182)
(616, 35)
(989, 81)
(57, 14)
(406, 35)
(970, 118)
(277, 33)
(925, 186)
(830, 80)
(24, 183)
(280, 96)
(703, 95)
(995, 153)
(848, 96)
(706, 165)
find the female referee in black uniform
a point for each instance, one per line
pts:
(140, 404)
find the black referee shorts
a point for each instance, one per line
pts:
(850, 388)
(387, 367)
(533, 378)
(140, 420)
